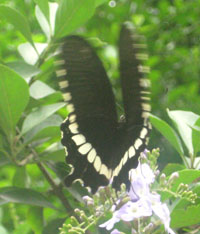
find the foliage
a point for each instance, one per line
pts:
(32, 196)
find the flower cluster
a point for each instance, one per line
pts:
(142, 202)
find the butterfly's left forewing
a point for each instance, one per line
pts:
(87, 132)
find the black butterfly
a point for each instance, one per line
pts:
(98, 146)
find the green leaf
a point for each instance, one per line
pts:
(186, 176)
(29, 54)
(71, 15)
(167, 132)
(57, 156)
(15, 18)
(23, 69)
(20, 177)
(14, 97)
(44, 24)
(196, 140)
(48, 128)
(44, 7)
(182, 120)
(53, 226)
(22, 228)
(24, 196)
(39, 90)
(54, 152)
(47, 25)
(172, 167)
(196, 136)
(100, 2)
(39, 115)
(35, 219)
(52, 98)
(185, 217)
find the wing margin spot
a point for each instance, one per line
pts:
(62, 72)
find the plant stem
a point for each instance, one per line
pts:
(56, 189)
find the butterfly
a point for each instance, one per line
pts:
(99, 146)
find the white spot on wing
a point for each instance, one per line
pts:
(67, 96)
(145, 98)
(84, 149)
(131, 152)
(146, 107)
(141, 56)
(145, 115)
(104, 171)
(97, 163)
(138, 143)
(61, 72)
(143, 69)
(125, 158)
(143, 133)
(79, 139)
(64, 84)
(145, 83)
(66, 151)
(70, 108)
(118, 168)
(59, 62)
(73, 128)
(72, 118)
(91, 156)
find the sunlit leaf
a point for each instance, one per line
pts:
(182, 120)
(39, 115)
(167, 132)
(39, 90)
(42, 20)
(196, 137)
(29, 54)
(72, 14)
(50, 127)
(44, 7)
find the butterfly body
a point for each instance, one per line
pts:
(98, 145)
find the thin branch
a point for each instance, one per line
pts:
(56, 188)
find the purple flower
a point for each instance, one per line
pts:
(115, 231)
(142, 202)
(88, 200)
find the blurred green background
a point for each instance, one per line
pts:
(172, 30)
